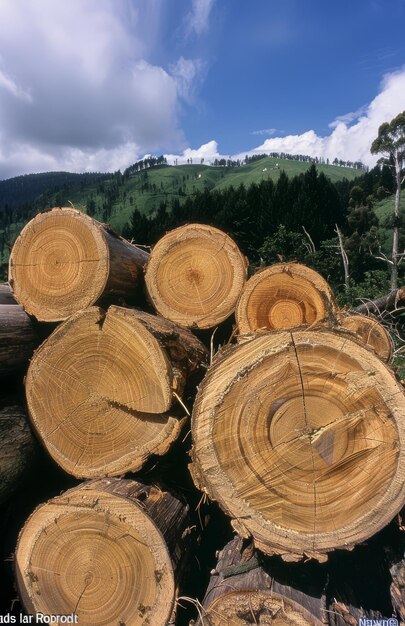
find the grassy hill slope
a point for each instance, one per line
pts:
(145, 190)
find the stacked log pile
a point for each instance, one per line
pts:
(297, 429)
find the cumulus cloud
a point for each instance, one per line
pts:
(198, 18)
(349, 140)
(352, 133)
(76, 90)
(208, 151)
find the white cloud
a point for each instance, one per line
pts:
(76, 90)
(348, 141)
(208, 151)
(348, 118)
(198, 18)
(264, 131)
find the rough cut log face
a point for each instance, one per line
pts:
(195, 276)
(101, 555)
(64, 261)
(100, 391)
(300, 437)
(371, 333)
(240, 608)
(284, 296)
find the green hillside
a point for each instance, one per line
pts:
(385, 207)
(145, 190)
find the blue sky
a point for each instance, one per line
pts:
(97, 84)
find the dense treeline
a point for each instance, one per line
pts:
(21, 191)
(290, 218)
(143, 164)
(305, 158)
(293, 218)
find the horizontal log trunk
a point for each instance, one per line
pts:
(300, 438)
(195, 276)
(247, 589)
(6, 295)
(389, 302)
(110, 551)
(284, 296)
(17, 339)
(18, 446)
(105, 390)
(64, 261)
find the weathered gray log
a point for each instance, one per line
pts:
(6, 295)
(389, 302)
(246, 588)
(18, 446)
(17, 339)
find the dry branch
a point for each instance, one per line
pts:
(391, 301)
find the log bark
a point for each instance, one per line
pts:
(284, 296)
(371, 333)
(104, 390)
(195, 276)
(389, 302)
(64, 261)
(17, 339)
(110, 551)
(300, 438)
(6, 295)
(246, 588)
(18, 446)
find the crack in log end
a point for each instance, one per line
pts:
(288, 428)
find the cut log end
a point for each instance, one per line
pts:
(195, 276)
(98, 555)
(100, 392)
(64, 261)
(255, 607)
(371, 333)
(300, 438)
(284, 296)
(59, 264)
